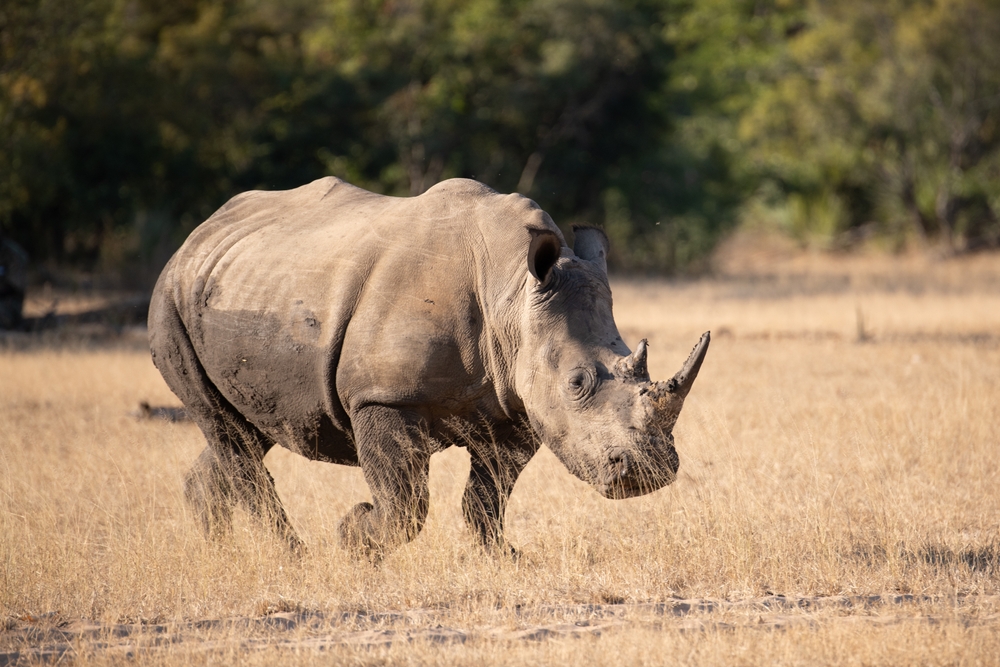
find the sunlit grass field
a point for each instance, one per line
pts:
(842, 441)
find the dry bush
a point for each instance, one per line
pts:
(812, 464)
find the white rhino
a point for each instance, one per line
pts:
(369, 330)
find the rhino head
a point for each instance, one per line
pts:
(588, 397)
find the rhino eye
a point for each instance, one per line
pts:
(581, 383)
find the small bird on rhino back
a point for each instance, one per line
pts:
(370, 331)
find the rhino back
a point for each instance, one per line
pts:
(306, 304)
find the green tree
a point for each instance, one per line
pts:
(568, 102)
(885, 114)
(126, 122)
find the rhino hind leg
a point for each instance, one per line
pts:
(395, 460)
(231, 469)
(496, 462)
(209, 493)
(220, 479)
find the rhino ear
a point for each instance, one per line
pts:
(591, 244)
(543, 253)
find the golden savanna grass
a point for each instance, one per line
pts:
(840, 443)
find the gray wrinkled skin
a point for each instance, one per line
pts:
(368, 330)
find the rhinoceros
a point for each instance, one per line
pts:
(373, 331)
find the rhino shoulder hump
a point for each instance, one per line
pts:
(462, 187)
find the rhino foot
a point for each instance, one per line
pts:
(354, 538)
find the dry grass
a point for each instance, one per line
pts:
(812, 465)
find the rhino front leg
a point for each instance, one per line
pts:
(394, 456)
(496, 465)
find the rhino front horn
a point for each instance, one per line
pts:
(680, 384)
(670, 395)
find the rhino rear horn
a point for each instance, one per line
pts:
(633, 367)
(591, 244)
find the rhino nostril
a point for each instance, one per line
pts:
(619, 463)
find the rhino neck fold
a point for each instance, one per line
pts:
(502, 288)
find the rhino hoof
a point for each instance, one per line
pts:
(354, 535)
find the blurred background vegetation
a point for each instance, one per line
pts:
(124, 123)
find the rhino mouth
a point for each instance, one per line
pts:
(635, 472)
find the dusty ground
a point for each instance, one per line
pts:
(313, 631)
(839, 502)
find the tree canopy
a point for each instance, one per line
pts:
(124, 123)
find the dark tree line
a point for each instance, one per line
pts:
(124, 123)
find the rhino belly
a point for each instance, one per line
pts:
(270, 367)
